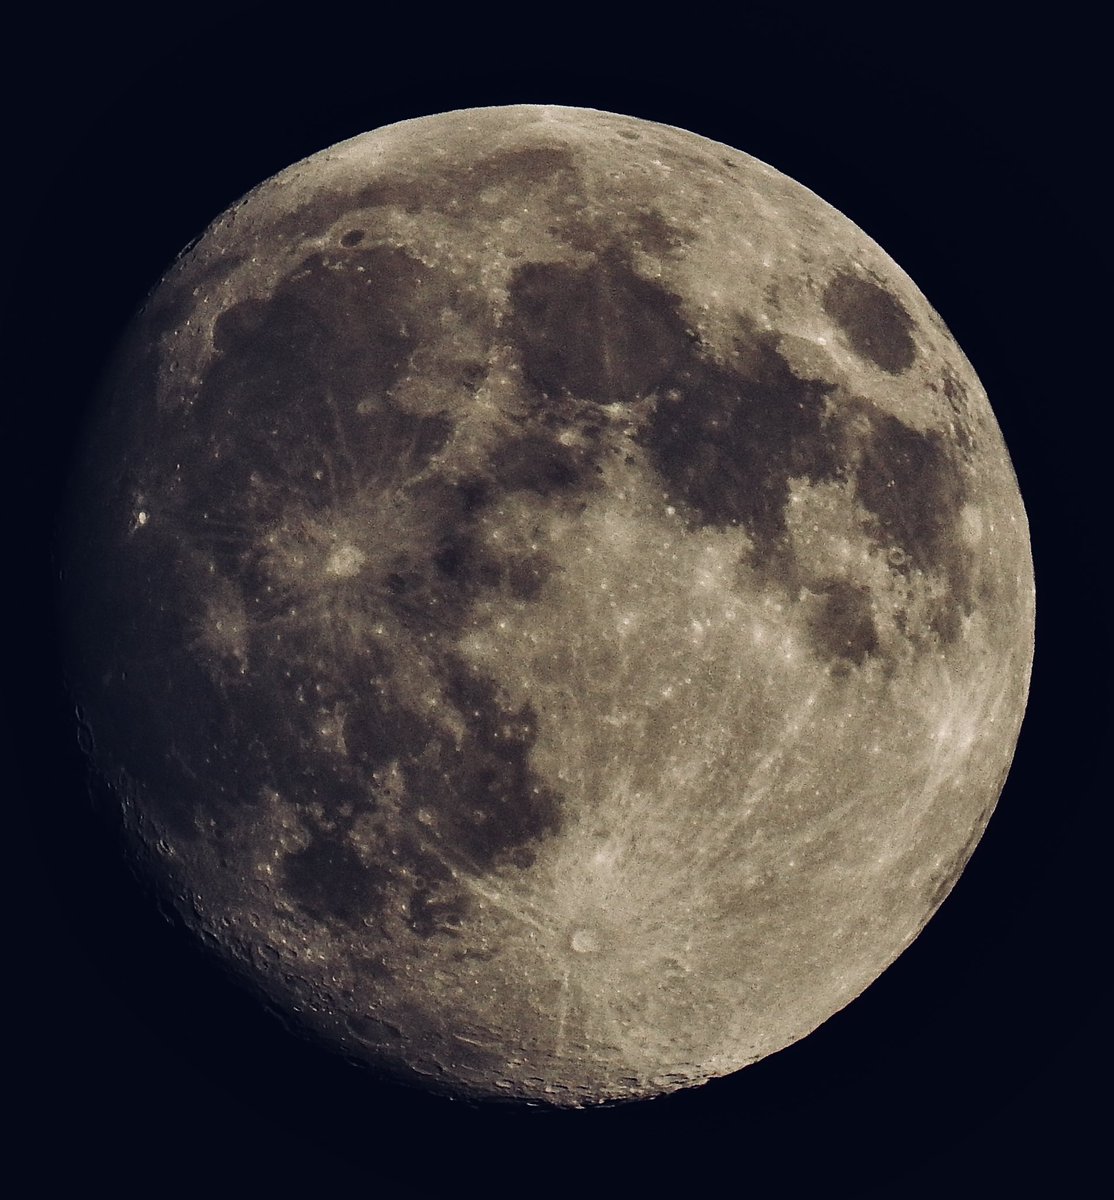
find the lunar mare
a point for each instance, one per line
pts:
(552, 600)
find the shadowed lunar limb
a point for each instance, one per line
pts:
(555, 600)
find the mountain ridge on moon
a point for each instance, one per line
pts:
(558, 604)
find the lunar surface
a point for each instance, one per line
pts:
(552, 602)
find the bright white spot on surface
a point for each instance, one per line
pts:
(971, 524)
(141, 518)
(345, 561)
(584, 941)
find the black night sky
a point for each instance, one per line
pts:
(970, 152)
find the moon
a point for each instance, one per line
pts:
(551, 600)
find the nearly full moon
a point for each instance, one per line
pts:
(551, 600)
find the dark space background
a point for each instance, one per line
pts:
(970, 148)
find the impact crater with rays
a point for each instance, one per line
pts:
(552, 599)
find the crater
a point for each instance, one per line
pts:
(345, 561)
(584, 941)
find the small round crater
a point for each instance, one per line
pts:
(584, 941)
